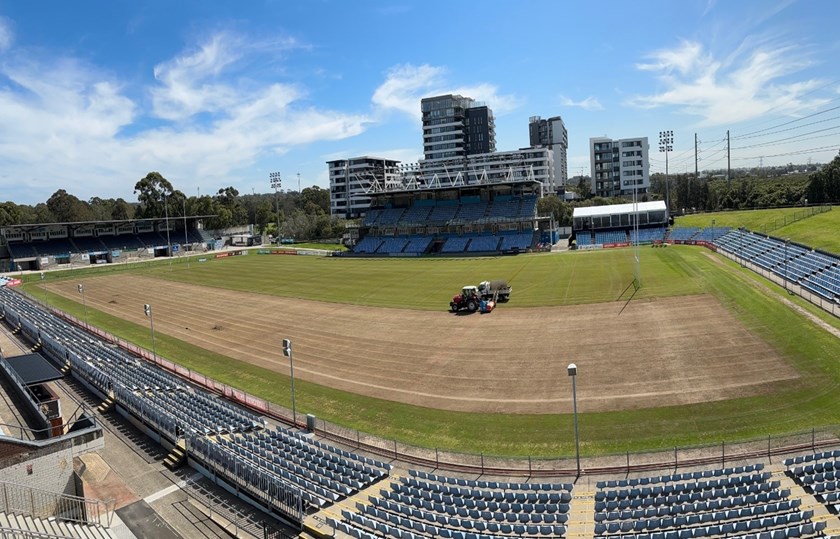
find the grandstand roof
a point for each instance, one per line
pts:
(616, 209)
(33, 369)
(117, 221)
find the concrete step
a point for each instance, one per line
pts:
(51, 526)
(106, 405)
(175, 458)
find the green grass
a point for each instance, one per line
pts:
(429, 284)
(819, 231)
(764, 221)
(812, 401)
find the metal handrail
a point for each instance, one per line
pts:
(39, 503)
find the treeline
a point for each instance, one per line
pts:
(302, 216)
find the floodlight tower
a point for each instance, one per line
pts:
(666, 144)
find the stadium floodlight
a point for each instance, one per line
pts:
(81, 290)
(148, 310)
(276, 182)
(573, 373)
(666, 144)
(287, 351)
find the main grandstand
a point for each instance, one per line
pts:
(475, 214)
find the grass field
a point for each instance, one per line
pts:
(538, 280)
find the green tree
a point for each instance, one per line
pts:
(121, 210)
(10, 213)
(66, 208)
(151, 191)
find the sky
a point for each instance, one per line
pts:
(211, 94)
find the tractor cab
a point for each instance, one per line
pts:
(469, 291)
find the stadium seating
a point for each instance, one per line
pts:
(683, 233)
(521, 241)
(368, 244)
(480, 244)
(817, 272)
(584, 238)
(611, 236)
(418, 244)
(415, 215)
(456, 244)
(647, 235)
(392, 245)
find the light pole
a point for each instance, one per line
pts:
(298, 175)
(42, 286)
(81, 289)
(287, 351)
(148, 310)
(666, 144)
(572, 368)
(787, 241)
(276, 182)
(741, 245)
(168, 243)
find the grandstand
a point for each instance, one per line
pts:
(816, 271)
(615, 225)
(44, 246)
(485, 219)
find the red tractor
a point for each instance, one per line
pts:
(468, 299)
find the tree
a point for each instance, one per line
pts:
(121, 210)
(313, 198)
(66, 208)
(10, 213)
(264, 215)
(151, 191)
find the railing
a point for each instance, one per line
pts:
(13, 533)
(37, 503)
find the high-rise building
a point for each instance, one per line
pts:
(619, 167)
(455, 126)
(353, 180)
(551, 133)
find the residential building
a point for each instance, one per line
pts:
(353, 180)
(551, 133)
(455, 126)
(619, 167)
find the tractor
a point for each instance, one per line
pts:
(469, 299)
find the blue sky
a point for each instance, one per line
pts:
(95, 94)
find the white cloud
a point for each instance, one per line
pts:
(69, 125)
(6, 34)
(405, 85)
(746, 84)
(590, 103)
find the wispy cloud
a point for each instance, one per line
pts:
(590, 103)
(6, 34)
(743, 85)
(206, 126)
(405, 85)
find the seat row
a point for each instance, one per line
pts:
(677, 477)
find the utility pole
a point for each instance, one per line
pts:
(696, 142)
(728, 162)
(298, 175)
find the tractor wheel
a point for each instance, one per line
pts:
(472, 306)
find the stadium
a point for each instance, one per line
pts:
(702, 404)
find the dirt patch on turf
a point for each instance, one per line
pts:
(662, 352)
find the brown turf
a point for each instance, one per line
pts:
(661, 352)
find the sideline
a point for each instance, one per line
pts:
(788, 303)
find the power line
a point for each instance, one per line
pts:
(772, 142)
(798, 152)
(792, 128)
(793, 98)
